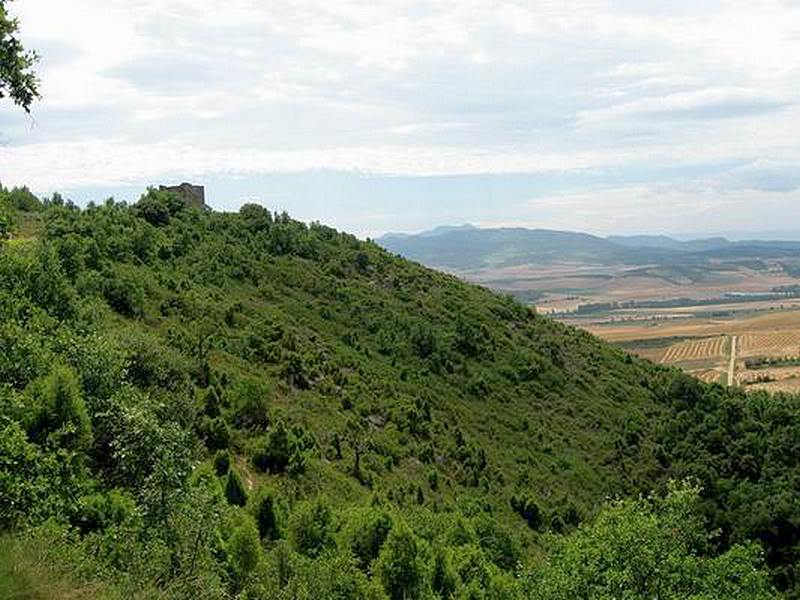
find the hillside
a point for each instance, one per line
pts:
(262, 407)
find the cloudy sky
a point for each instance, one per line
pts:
(609, 116)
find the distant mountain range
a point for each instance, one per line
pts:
(465, 247)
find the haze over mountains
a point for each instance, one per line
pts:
(467, 247)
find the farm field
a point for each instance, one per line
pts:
(702, 345)
(562, 288)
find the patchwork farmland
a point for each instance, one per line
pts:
(767, 351)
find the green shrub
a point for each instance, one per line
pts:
(648, 548)
(311, 527)
(62, 415)
(365, 531)
(528, 509)
(234, 489)
(267, 515)
(124, 294)
(251, 404)
(222, 462)
(99, 510)
(399, 566)
(244, 550)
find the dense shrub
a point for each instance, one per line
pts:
(311, 527)
(365, 531)
(234, 489)
(267, 515)
(124, 294)
(62, 416)
(399, 565)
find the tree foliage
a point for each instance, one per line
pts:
(649, 548)
(18, 81)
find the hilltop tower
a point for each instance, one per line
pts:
(192, 195)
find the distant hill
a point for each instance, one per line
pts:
(467, 247)
(664, 242)
(473, 248)
(436, 231)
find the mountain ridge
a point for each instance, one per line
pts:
(475, 248)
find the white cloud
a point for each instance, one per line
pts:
(709, 103)
(138, 90)
(656, 208)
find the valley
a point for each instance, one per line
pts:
(725, 312)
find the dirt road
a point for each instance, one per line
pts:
(732, 363)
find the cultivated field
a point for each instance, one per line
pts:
(777, 343)
(702, 345)
(695, 350)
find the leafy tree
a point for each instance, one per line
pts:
(399, 566)
(650, 548)
(17, 78)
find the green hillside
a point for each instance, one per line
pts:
(208, 405)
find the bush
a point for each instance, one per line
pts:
(497, 542)
(244, 550)
(310, 527)
(649, 548)
(444, 579)
(528, 509)
(222, 462)
(283, 450)
(124, 294)
(423, 341)
(266, 515)
(398, 566)
(214, 433)
(234, 489)
(157, 207)
(251, 405)
(98, 511)
(365, 532)
(62, 415)
(21, 198)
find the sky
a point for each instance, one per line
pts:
(607, 116)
